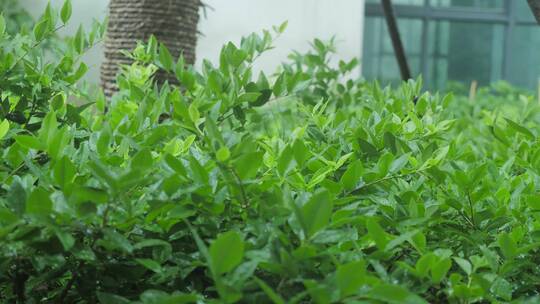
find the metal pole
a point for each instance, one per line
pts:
(535, 8)
(396, 39)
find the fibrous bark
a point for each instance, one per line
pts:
(173, 22)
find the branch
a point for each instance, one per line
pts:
(66, 289)
(386, 178)
(471, 207)
(241, 186)
(36, 44)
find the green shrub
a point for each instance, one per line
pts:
(17, 18)
(303, 187)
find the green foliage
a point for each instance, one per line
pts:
(32, 86)
(306, 186)
(16, 18)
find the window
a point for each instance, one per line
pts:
(453, 42)
(489, 4)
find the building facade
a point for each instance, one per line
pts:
(454, 42)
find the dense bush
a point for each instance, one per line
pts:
(302, 187)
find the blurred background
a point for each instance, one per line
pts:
(453, 42)
(450, 42)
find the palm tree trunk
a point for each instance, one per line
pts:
(173, 22)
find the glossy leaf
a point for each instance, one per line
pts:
(316, 213)
(65, 12)
(4, 128)
(226, 252)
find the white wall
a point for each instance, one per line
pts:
(308, 19)
(84, 11)
(229, 20)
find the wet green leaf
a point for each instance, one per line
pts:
(226, 252)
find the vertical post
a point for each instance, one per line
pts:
(535, 8)
(508, 35)
(538, 92)
(424, 55)
(396, 39)
(472, 90)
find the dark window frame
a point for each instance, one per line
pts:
(508, 17)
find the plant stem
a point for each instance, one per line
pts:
(66, 289)
(36, 44)
(471, 207)
(241, 186)
(386, 178)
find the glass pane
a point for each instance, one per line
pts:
(379, 61)
(400, 2)
(523, 12)
(491, 4)
(524, 67)
(464, 52)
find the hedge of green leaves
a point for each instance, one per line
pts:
(307, 186)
